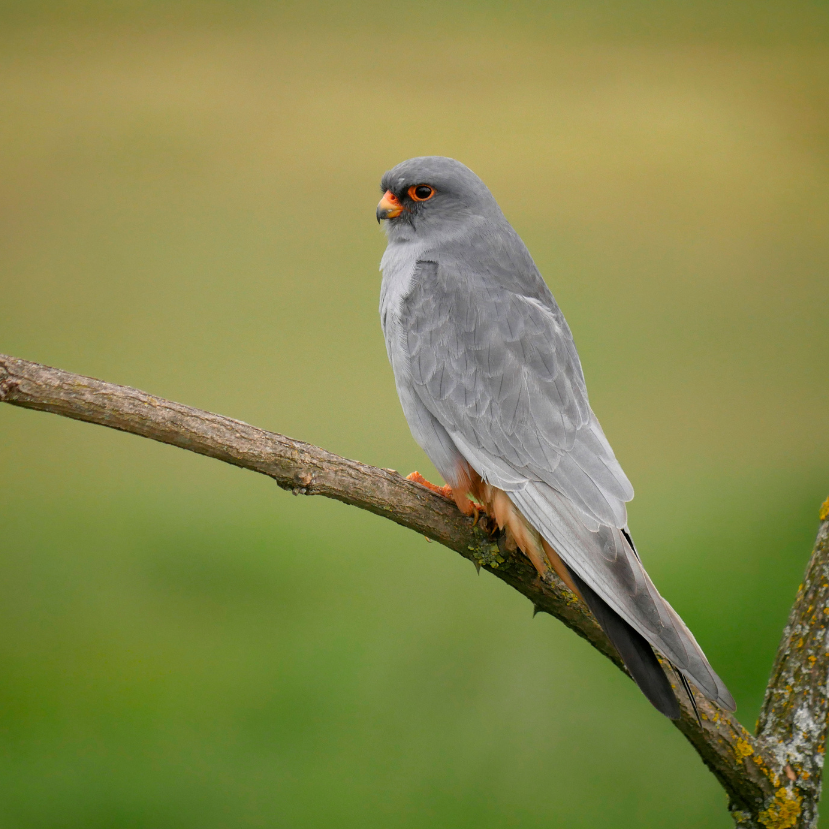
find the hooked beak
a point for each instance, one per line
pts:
(389, 207)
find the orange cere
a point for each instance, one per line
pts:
(389, 206)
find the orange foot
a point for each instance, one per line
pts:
(465, 505)
(445, 491)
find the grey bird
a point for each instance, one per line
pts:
(492, 388)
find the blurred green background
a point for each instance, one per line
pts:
(187, 196)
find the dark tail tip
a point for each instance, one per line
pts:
(690, 692)
(636, 652)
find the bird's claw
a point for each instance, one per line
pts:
(466, 505)
(445, 491)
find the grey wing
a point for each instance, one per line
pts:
(499, 371)
(606, 560)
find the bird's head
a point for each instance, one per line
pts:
(431, 193)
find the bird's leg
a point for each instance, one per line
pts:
(445, 491)
(466, 505)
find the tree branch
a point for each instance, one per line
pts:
(793, 719)
(772, 781)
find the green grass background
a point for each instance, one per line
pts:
(187, 196)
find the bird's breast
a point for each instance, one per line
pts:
(398, 267)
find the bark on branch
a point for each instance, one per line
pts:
(772, 780)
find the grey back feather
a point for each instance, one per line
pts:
(498, 370)
(487, 371)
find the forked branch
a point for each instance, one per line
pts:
(772, 780)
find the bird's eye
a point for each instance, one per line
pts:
(421, 192)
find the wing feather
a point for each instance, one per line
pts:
(498, 370)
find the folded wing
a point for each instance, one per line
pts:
(498, 369)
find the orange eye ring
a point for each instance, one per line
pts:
(421, 192)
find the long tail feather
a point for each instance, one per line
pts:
(690, 691)
(636, 653)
